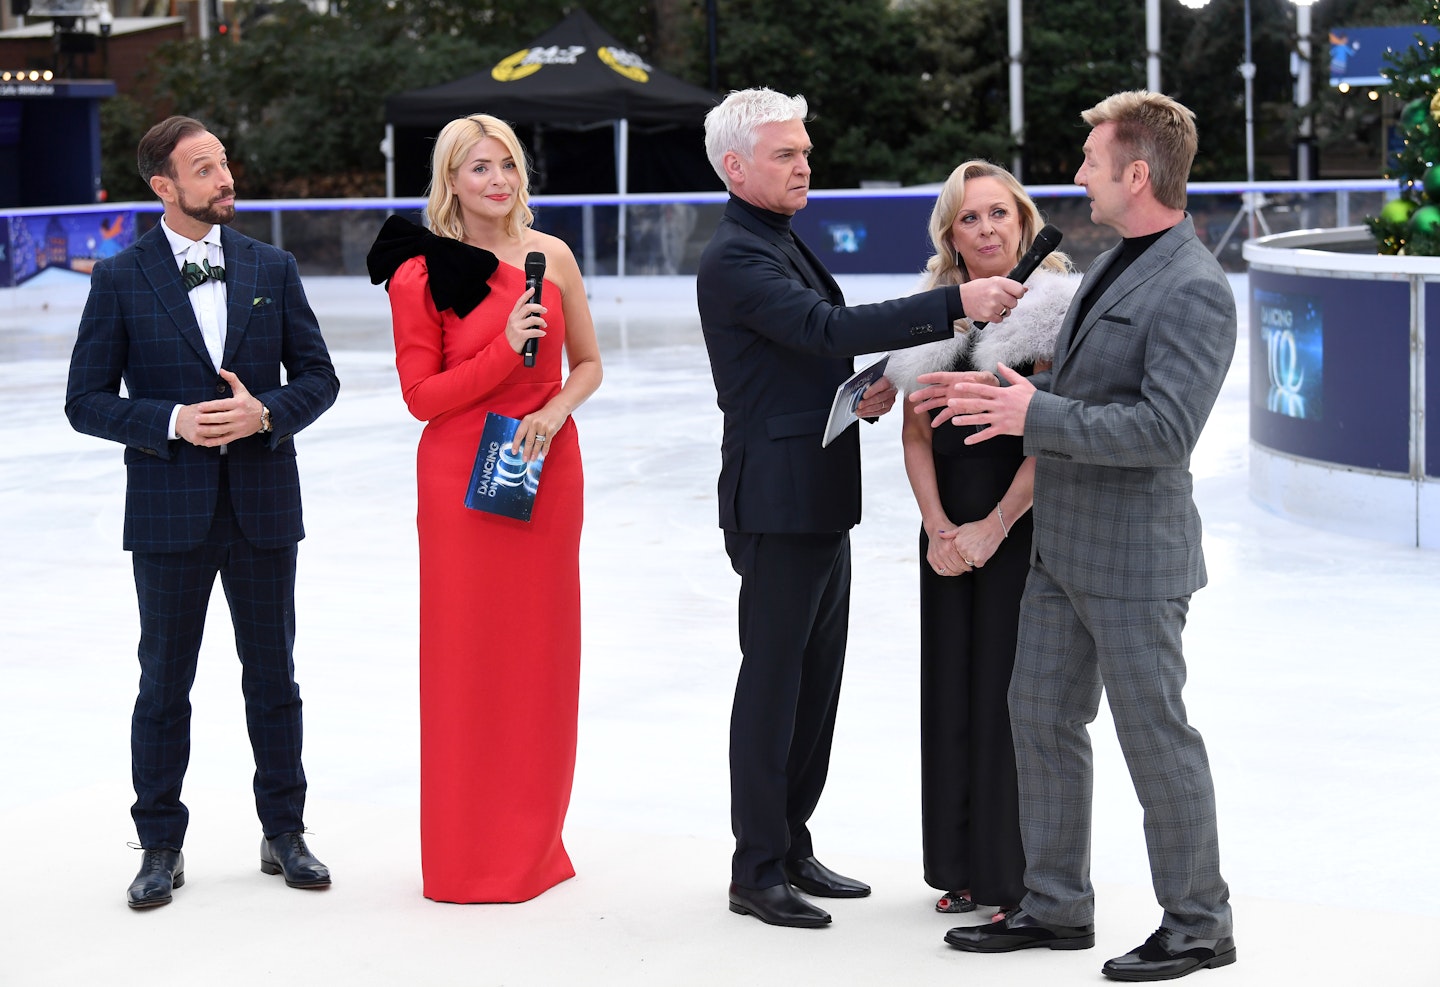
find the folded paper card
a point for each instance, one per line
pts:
(502, 482)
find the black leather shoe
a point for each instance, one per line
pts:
(1020, 930)
(287, 854)
(813, 877)
(779, 905)
(161, 872)
(1169, 954)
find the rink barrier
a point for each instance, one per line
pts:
(856, 231)
(1340, 371)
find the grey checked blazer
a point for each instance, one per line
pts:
(139, 327)
(1113, 424)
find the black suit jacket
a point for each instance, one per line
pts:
(139, 327)
(781, 339)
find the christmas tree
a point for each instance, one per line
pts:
(1410, 224)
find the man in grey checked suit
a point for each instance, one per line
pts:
(197, 321)
(1138, 366)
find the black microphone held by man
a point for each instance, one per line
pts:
(1045, 243)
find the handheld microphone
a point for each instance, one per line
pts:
(535, 279)
(1045, 243)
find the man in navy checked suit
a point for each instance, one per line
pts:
(212, 486)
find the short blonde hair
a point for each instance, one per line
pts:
(735, 124)
(1153, 128)
(454, 143)
(946, 267)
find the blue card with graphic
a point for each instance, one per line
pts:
(502, 482)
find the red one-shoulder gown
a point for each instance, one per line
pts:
(499, 603)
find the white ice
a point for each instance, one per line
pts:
(1313, 677)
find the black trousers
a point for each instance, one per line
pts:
(794, 619)
(173, 589)
(970, 803)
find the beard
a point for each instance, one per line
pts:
(210, 213)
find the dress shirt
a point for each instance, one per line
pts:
(207, 299)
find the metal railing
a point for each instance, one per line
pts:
(881, 231)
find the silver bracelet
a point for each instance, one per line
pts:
(1000, 513)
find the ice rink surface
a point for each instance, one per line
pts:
(1313, 677)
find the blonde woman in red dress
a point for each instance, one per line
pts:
(499, 597)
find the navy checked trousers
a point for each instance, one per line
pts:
(173, 589)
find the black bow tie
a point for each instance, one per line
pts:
(195, 275)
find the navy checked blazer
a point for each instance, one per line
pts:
(781, 340)
(139, 327)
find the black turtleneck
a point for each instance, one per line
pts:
(1131, 249)
(778, 222)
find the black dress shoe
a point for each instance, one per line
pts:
(287, 854)
(1020, 930)
(813, 877)
(161, 871)
(1169, 954)
(779, 905)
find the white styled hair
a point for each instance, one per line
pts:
(734, 125)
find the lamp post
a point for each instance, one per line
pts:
(1304, 166)
(1017, 86)
(1152, 41)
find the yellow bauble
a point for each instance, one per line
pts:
(1435, 106)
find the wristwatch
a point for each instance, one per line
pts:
(264, 420)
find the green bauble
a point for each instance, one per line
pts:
(1431, 183)
(1415, 114)
(1397, 211)
(1426, 220)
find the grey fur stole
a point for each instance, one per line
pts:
(1027, 335)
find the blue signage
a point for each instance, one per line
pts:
(1357, 54)
(868, 235)
(1293, 344)
(31, 243)
(1330, 369)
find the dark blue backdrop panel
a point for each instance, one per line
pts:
(1432, 377)
(1330, 369)
(53, 130)
(868, 236)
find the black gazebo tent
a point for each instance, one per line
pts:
(567, 93)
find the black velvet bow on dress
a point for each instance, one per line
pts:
(459, 273)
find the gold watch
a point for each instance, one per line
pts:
(264, 420)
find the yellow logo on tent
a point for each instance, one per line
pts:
(627, 63)
(513, 67)
(528, 61)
